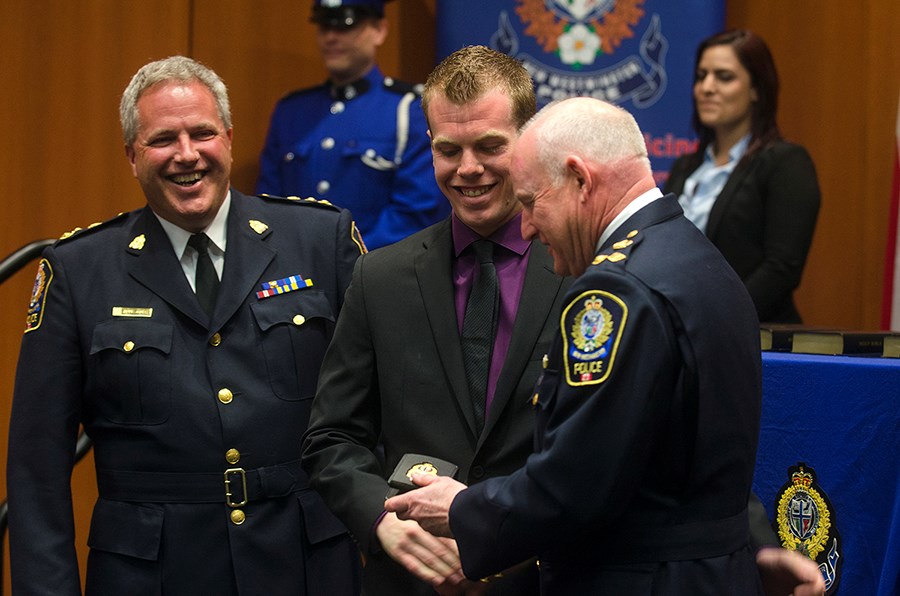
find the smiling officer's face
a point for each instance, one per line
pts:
(182, 153)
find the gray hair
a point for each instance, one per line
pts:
(173, 68)
(591, 128)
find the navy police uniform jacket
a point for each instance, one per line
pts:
(117, 341)
(646, 429)
(363, 147)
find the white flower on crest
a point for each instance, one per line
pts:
(578, 45)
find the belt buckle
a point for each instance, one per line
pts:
(228, 481)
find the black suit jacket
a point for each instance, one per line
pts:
(148, 384)
(394, 376)
(763, 222)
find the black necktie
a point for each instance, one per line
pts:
(478, 327)
(206, 281)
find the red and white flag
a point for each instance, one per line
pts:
(890, 316)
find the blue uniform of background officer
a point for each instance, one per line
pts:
(359, 139)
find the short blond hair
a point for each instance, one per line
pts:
(467, 74)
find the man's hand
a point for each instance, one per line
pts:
(786, 572)
(431, 559)
(429, 505)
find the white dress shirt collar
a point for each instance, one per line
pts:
(216, 231)
(629, 210)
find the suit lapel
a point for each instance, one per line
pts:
(156, 267)
(434, 275)
(246, 259)
(538, 295)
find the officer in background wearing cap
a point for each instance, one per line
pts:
(358, 140)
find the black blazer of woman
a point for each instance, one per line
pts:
(763, 222)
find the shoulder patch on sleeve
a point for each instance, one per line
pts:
(592, 325)
(38, 296)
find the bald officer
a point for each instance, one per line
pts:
(359, 139)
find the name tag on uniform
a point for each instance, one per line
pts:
(132, 311)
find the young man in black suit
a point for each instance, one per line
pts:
(395, 374)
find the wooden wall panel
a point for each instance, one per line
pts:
(839, 65)
(261, 54)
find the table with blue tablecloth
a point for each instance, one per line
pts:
(839, 416)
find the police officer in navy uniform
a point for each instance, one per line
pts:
(358, 140)
(191, 363)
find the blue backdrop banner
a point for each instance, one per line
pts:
(635, 53)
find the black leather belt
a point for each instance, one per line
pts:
(235, 486)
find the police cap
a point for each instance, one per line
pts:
(343, 14)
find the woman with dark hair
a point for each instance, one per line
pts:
(752, 193)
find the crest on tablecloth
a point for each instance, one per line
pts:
(805, 522)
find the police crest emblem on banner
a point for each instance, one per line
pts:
(568, 47)
(638, 54)
(805, 522)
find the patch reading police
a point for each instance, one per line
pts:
(38, 296)
(805, 521)
(592, 326)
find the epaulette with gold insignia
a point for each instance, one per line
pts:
(354, 231)
(620, 249)
(77, 232)
(301, 201)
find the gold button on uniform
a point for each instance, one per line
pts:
(232, 456)
(215, 340)
(299, 319)
(129, 345)
(545, 361)
(237, 517)
(225, 395)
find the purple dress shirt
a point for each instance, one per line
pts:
(511, 261)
